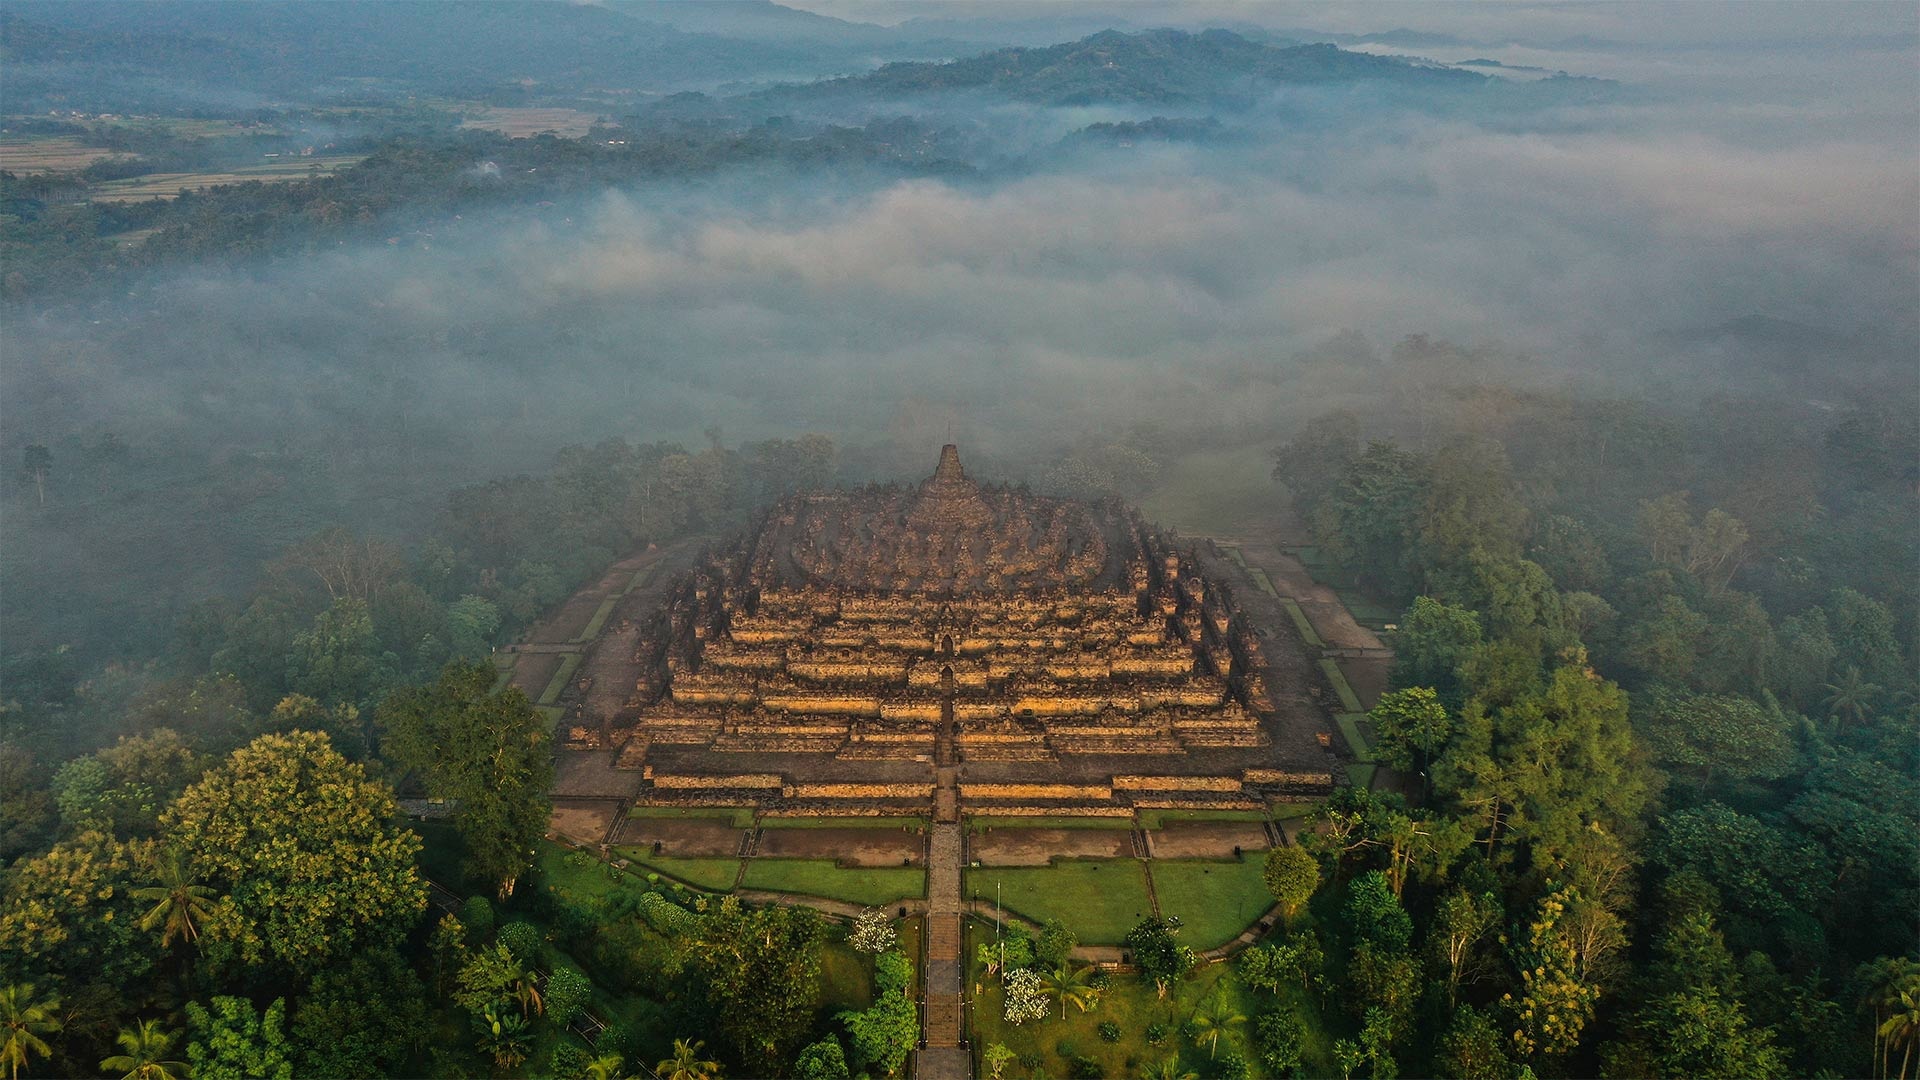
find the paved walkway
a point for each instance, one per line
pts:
(943, 1055)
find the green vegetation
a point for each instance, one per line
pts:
(1151, 819)
(558, 684)
(772, 821)
(738, 817)
(1215, 899)
(599, 620)
(872, 886)
(1348, 699)
(1301, 623)
(1356, 739)
(1098, 899)
(710, 874)
(978, 823)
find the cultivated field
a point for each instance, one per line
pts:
(170, 185)
(47, 153)
(525, 123)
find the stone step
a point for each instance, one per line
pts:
(943, 937)
(943, 1020)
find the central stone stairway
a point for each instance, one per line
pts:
(943, 1054)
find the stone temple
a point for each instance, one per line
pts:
(953, 645)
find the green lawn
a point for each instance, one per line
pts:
(1290, 810)
(713, 875)
(1356, 739)
(1361, 773)
(1099, 899)
(872, 886)
(640, 577)
(599, 620)
(1301, 623)
(568, 665)
(1348, 700)
(738, 817)
(1154, 819)
(771, 822)
(1266, 585)
(1215, 900)
(982, 822)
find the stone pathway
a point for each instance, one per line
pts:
(943, 1055)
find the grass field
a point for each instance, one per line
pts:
(1301, 623)
(1154, 819)
(1356, 739)
(599, 620)
(713, 875)
(1348, 699)
(569, 664)
(872, 886)
(772, 822)
(738, 817)
(170, 185)
(1099, 899)
(977, 823)
(1215, 899)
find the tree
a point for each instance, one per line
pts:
(760, 970)
(24, 1017)
(145, 1056)
(1375, 914)
(567, 993)
(338, 659)
(35, 465)
(1054, 948)
(300, 841)
(1214, 1018)
(686, 1063)
(489, 751)
(885, 1033)
(997, 1057)
(1555, 1005)
(1902, 1026)
(1278, 1037)
(873, 932)
(1850, 698)
(1069, 985)
(1692, 1022)
(1463, 923)
(1473, 1049)
(825, 1060)
(1433, 641)
(1409, 727)
(360, 1018)
(1168, 1068)
(69, 914)
(1291, 875)
(180, 905)
(233, 1041)
(607, 1067)
(494, 975)
(1157, 951)
(1736, 736)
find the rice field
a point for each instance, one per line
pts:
(47, 153)
(171, 185)
(525, 123)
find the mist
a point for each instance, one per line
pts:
(1708, 224)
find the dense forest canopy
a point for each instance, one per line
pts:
(343, 342)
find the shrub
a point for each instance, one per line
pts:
(477, 916)
(522, 940)
(1109, 1031)
(1277, 1036)
(1156, 1034)
(666, 916)
(1230, 1066)
(1100, 979)
(567, 993)
(1086, 1068)
(567, 1061)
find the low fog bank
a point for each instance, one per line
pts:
(1661, 246)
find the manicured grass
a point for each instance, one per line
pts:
(1154, 819)
(568, 665)
(1216, 900)
(1234, 554)
(599, 620)
(738, 817)
(846, 977)
(1289, 810)
(1348, 700)
(1361, 773)
(872, 886)
(713, 875)
(553, 713)
(1260, 579)
(771, 822)
(640, 578)
(981, 823)
(1099, 899)
(1129, 1001)
(1356, 739)
(1301, 623)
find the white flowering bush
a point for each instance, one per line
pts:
(1026, 997)
(872, 932)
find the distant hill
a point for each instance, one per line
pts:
(1154, 67)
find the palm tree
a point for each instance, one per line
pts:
(1069, 983)
(22, 1021)
(605, 1067)
(146, 1048)
(1904, 1025)
(1852, 697)
(179, 903)
(1212, 1021)
(1169, 1069)
(526, 991)
(685, 1064)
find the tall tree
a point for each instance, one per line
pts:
(686, 1063)
(301, 842)
(234, 1041)
(180, 905)
(24, 1018)
(488, 750)
(760, 969)
(145, 1054)
(1291, 876)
